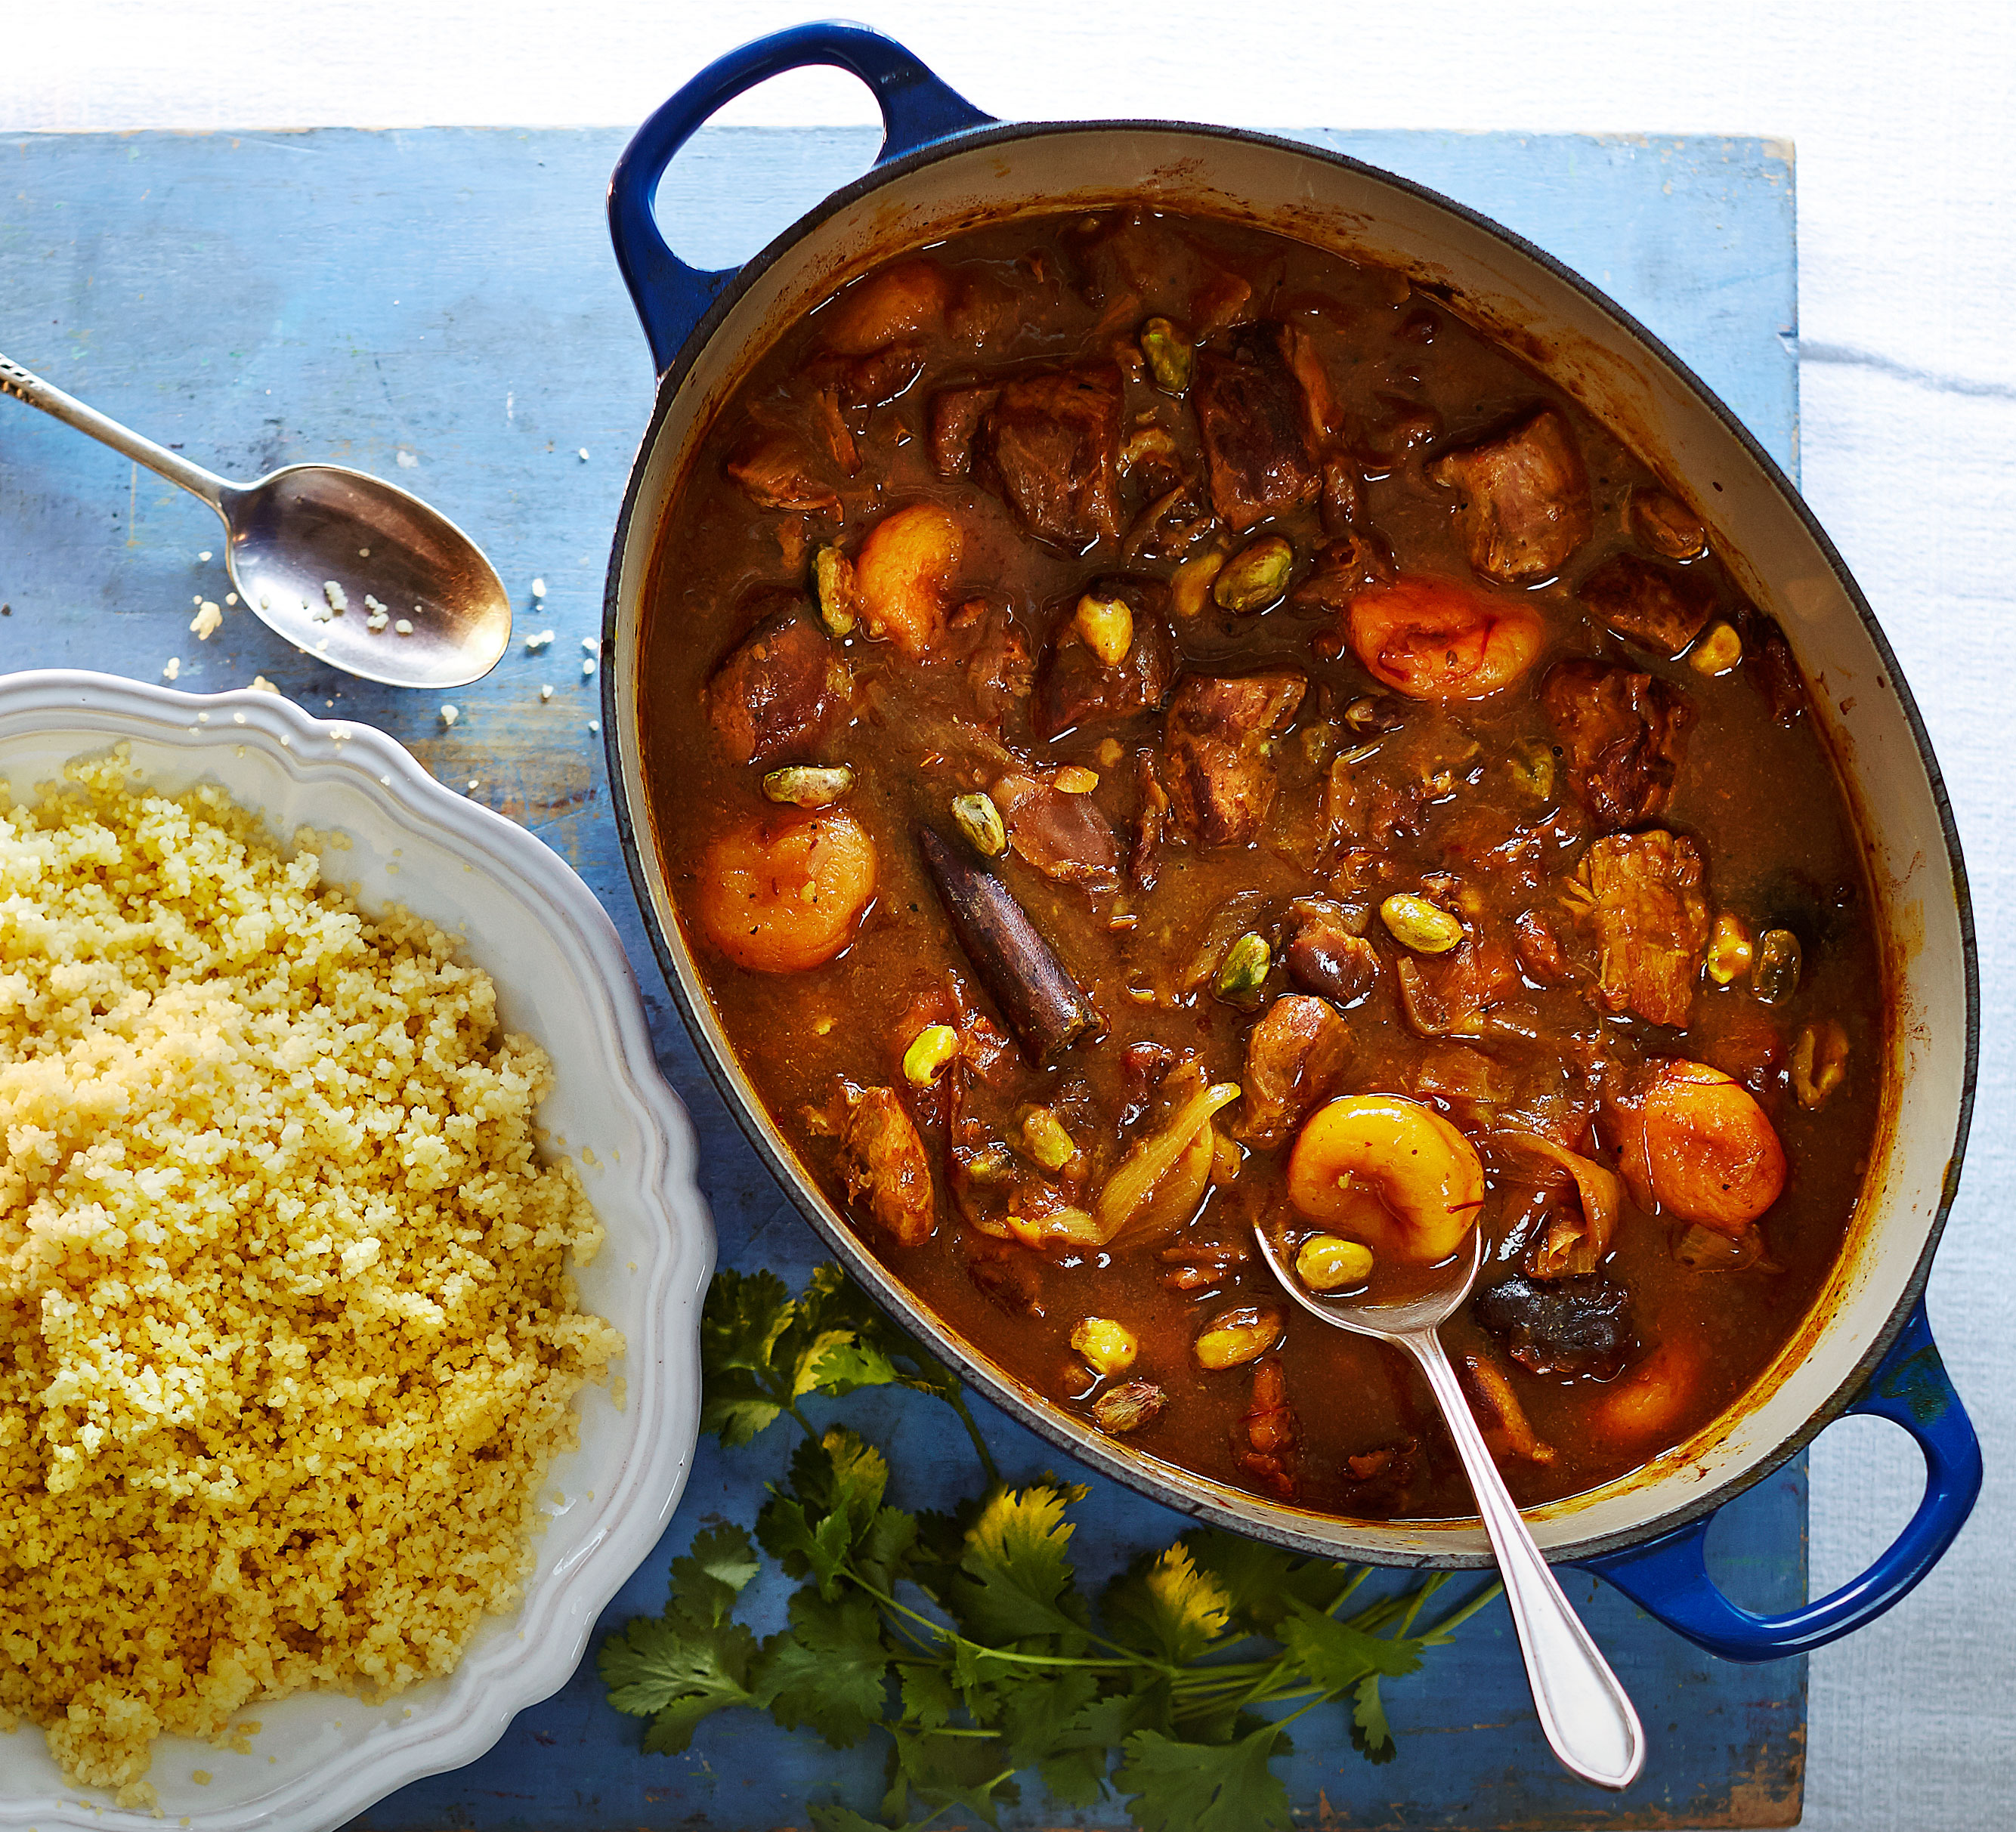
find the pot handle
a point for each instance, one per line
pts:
(671, 296)
(1668, 1577)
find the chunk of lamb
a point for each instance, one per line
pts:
(774, 470)
(1663, 607)
(1077, 690)
(1254, 414)
(1769, 666)
(886, 1167)
(1063, 836)
(1641, 896)
(1052, 442)
(955, 416)
(1575, 1325)
(777, 692)
(1151, 822)
(1448, 995)
(985, 644)
(1538, 949)
(1140, 265)
(1220, 782)
(1294, 1059)
(1009, 1275)
(1343, 497)
(1355, 562)
(1625, 733)
(865, 382)
(1524, 505)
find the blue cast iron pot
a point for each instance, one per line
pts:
(945, 167)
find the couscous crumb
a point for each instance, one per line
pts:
(291, 1337)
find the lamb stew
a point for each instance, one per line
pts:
(1157, 730)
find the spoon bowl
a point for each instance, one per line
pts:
(1382, 1318)
(294, 535)
(354, 571)
(1585, 1712)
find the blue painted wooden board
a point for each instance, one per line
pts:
(441, 307)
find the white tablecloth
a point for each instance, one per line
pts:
(1907, 250)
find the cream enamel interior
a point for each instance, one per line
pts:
(1650, 404)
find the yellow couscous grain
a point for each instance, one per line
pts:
(287, 1337)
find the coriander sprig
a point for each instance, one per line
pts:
(963, 1636)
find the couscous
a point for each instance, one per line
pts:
(288, 1336)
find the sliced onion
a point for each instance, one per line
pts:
(1061, 1227)
(1565, 1249)
(1174, 1202)
(1568, 1248)
(1127, 1196)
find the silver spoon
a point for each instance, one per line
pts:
(302, 541)
(1585, 1713)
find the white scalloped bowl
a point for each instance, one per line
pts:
(561, 976)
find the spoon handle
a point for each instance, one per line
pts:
(1585, 1713)
(25, 385)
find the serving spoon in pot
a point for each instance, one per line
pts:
(1587, 1716)
(360, 573)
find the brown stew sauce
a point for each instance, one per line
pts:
(1003, 378)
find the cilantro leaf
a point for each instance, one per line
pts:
(978, 1674)
(1110, 1721)
(831, 1815)
(832, 1301)
(1337, 1656)
(847, 1343)
(1080, 1749)
(1260, 1582)
(835, 1363)
(1371, 1735)
(1016, 1579)
(1166, 1606)
(1177, 1786)
(804, 1545)
(843, 1472)
(832, 1500)
(840, 1362)
(694, 1660)
(941, 1544)
(927, 1697)
(763, 1351)
(711, 1573)
(881, 1555)
(740, 1322)
(825, 1670)
(956, 1771)
(1036, 1713)
(1075, 1777)
(839, 1346)
(676, 1672)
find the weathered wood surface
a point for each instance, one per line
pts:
(441, 307)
